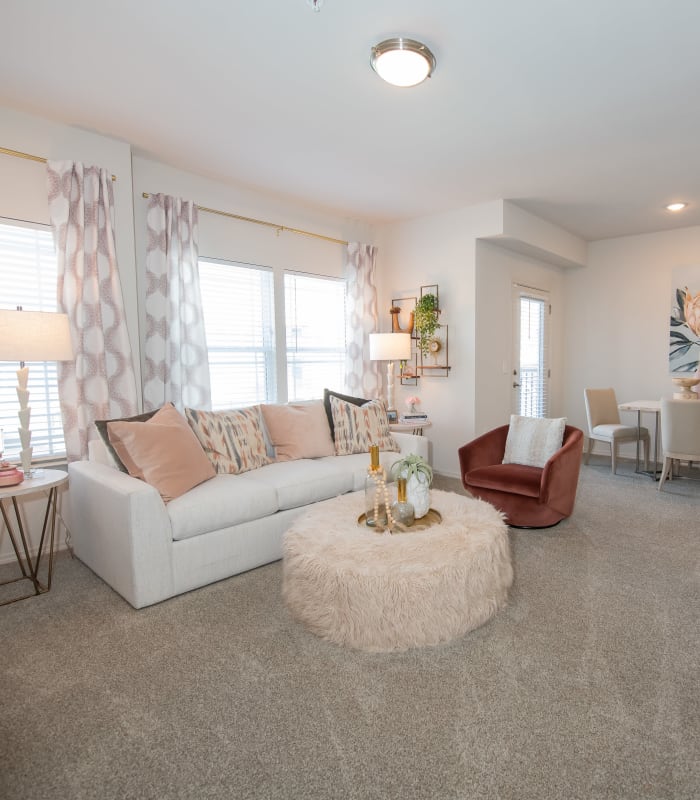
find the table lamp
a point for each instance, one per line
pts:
(32, 336)
(389, 347)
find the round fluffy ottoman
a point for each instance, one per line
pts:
(382, 592)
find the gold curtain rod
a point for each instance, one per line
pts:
(30, 157)
(278, 228)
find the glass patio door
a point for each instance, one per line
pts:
(531, 373)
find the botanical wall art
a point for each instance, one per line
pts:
(684, 342)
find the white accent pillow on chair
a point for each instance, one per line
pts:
(533, 440)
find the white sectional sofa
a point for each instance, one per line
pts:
(148, 550)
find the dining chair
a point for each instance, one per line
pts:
(680, 433)
(604, 425)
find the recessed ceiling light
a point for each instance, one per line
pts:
(676, 206)
(402, 62)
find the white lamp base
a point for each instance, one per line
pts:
(390, 386)
(24, 414)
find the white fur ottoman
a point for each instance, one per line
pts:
(384, 592)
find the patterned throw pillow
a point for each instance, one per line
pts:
(357, 427)
(532, 440)
(233, 440)
(327, 394)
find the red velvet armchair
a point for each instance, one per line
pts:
(530, 497)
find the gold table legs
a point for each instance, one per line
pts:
(18, 537)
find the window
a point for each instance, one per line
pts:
(28, 269)
(238, 307)
(245, 352)
(315, 334)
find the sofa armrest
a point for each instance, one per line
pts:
(409, 443)
(121, 529)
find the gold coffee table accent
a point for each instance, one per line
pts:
(433, 517)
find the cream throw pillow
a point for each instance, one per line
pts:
(162, 451)
(532, 440)
(357, 427)
(298, 430)
(233, 440)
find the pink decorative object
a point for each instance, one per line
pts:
(9, 475)
(412, 402)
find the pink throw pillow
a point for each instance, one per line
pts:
(163, 452)
(299, 430)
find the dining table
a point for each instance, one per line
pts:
(646, 407)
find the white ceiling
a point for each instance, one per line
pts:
(585, 112)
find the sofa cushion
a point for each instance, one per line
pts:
(327, 394)
(220, 503)
(532, 440)
(298, 483)
(162, 451)
(298, 430)
(357, 427)
(234, 440)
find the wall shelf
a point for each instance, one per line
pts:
(434, 364)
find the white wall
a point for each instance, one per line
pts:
(617, 327)
(441, 250)
(497, 270)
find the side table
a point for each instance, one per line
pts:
(48, 482)
(410, 427)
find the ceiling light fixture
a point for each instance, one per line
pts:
(402, 62)
(315, 4)
(676, 206)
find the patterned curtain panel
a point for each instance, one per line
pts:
(362, 375)
(100, 384)
(176, 365)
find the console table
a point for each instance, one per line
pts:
(46, 481)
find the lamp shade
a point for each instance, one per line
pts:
(34, 336)
(389, 346)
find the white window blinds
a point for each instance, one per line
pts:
(28, 269)
(237, 301)
(315, 334)
(534, 355)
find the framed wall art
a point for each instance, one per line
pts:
(684, 340)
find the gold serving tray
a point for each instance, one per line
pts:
(433, 517)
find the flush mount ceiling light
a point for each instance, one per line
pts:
(402, 62)
(676, 206)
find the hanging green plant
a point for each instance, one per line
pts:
(426, 321)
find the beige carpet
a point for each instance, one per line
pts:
(584, 686)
